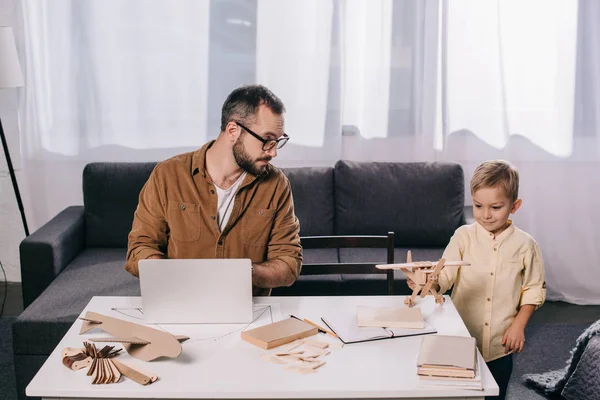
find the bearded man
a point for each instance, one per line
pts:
(225, 200)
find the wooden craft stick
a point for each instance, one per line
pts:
(92, 367)
(316, 343)
(309, 367)
(71, 351)
(115, 371)
(77, 364)
(132, 373)
(295, 344)
(289, 353)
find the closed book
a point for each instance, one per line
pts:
(446, 372)
(390, 317)
(443, 353)
(279, 333)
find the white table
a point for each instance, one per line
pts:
(230, 368)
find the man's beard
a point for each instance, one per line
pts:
(244, 161)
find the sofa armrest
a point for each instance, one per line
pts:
(46, 252)
(469, 218)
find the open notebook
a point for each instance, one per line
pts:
(345, 325)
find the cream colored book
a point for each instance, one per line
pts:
(279, 333)
(439, 382)
(390, 317)
(439, 352)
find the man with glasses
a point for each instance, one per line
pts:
(225, 200)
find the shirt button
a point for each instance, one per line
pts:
(213, 217)
(486, 324)
(488, 299)
(183, 206)
(495, 249)
(491, 273)
(212, 191)
(220, 242)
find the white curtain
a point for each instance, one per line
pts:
(389, 80)
(520, 81)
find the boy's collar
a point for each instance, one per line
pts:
(506, 232)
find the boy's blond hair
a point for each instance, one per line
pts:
(497, 172)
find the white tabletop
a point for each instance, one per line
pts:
(216, 363)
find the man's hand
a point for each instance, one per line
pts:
(514, 338)
(155, 257)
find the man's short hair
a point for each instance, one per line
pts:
(242, 104)
(497, 172)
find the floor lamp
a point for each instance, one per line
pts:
(10, 77)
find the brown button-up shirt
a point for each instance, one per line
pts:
(177, 217)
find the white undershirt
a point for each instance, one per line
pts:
(225, 201)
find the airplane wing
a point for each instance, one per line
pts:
(130, 340)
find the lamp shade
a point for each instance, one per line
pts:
(10, 70)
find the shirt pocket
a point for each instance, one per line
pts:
(257, 224)
(184, 221)
(512, 265)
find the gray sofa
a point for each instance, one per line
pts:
(80, 253)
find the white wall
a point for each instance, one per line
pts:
(11, 229)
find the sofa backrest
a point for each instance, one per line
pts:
(422, 203)
(111, 192)
(110, 197)
(312, 189)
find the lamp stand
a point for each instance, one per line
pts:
(13, 178)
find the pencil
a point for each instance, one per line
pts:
(322, 329)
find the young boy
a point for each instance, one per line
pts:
(498, 292)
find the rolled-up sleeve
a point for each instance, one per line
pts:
(533, 289)
(148, 236)
(284, 242)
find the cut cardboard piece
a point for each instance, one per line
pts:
(133, 374)
(139, 341)
(448, 356)
(103, 368)
(279, 333)
(390, 317)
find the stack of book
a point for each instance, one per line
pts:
(449, 361)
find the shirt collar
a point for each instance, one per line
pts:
(199, 164)
(199, 159)
(482, 232)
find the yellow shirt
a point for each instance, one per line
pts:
(506, 272)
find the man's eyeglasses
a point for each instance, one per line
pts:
(268, 144)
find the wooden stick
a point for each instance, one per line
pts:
(132, 373)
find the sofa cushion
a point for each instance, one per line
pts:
(94, 272)
(312, 189)
(422, 203)
(110, 197)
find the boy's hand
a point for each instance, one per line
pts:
(514, 338)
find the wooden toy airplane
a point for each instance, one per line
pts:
(424, 274)
(139, 341)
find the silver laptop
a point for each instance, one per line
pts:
(196, 291)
